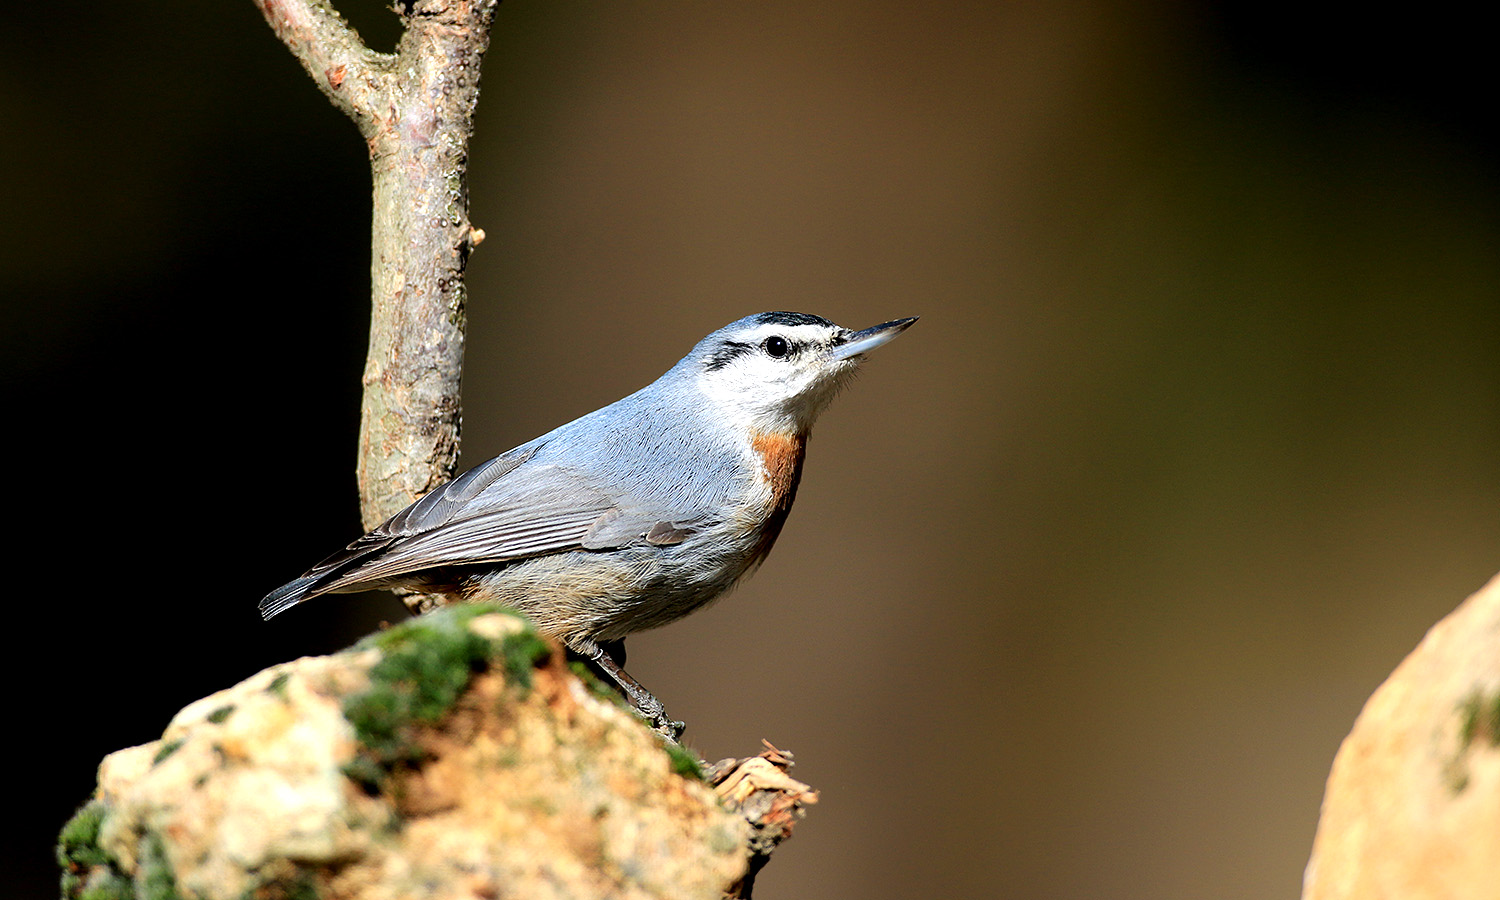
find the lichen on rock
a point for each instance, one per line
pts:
(453, 755)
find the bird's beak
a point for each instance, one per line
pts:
(864, 341)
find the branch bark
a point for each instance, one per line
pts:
(415, 109)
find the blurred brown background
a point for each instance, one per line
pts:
(1090, 572)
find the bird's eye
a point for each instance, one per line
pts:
(777, 347)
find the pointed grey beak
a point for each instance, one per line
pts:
(861, 342)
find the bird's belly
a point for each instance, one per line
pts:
(606, 595)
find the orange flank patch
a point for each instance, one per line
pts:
(781, 454)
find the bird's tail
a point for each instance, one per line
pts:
(332, 575)
(289, 595)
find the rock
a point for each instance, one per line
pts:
(456, 755)
(1412, 808)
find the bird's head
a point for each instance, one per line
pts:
(774, 372)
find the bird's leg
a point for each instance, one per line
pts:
(604, 657)
(615, 650)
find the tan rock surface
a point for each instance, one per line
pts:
(454, 756)
(1412, 808)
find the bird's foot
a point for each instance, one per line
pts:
(643, 701)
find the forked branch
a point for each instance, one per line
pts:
(415, 109)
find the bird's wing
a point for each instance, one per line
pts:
(484, 516)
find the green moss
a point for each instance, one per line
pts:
(1478, 720)
(219, 715)
(78, 842)
(166, 750)
(596, 685)
(90, 874)
(1479, 717)
(78, 850)
(155, 879)
(303, 887)
(108, 887)
(288, 880)
(426, 665)
(1468, 721)
(277, 686)
(684, 761)
(522, 653)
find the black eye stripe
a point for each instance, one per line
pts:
(725, 353)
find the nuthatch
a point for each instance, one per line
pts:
(629, 517)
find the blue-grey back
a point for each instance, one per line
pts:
(659, 448)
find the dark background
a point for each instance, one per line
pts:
(1090, 572)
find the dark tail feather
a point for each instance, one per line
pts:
(328, 575)
(288, 595)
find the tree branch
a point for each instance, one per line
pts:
(415, 109)
(347, 71)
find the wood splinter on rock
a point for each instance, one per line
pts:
(770, 800)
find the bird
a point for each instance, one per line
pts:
(631, 516)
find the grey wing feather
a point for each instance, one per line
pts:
(440, 506)
(504, 534)
(621, 527)
(436, 508)
(482, 517)
(467, 523)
